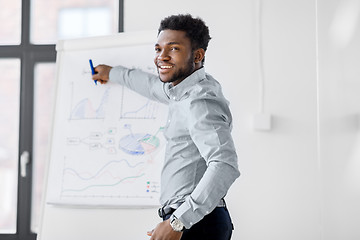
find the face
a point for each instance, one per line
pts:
(174, 57)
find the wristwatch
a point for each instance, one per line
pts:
(176, 224)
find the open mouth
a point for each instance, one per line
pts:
(165, 67)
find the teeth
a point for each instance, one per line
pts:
(165, 66)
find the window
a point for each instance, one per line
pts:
(53, 19)
(10, 18)
(80, 22)
(28, 34)
(44, 91)
(9, 139)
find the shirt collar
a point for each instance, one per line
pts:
(178, 91)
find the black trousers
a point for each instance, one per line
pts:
(215, 226)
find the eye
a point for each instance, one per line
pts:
(157, 49)
(175, 48)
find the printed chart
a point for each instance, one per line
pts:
(108, 144)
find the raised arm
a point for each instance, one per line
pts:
(146, 84)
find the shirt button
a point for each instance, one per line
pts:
(191, 223)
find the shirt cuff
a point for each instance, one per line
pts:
(187, 215)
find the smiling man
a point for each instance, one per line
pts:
(175, 59)
(200, 160)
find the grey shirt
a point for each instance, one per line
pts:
(200, 159)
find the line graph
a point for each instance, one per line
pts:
(147, 111)
(102, 185)
(104, 180)
(92, 176)
(139, 108)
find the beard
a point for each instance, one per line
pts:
(182, 73)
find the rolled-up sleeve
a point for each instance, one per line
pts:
(146, 84)
(209, 125)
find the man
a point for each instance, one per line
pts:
(200, 160)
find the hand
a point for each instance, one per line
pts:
(102, 73)
(164, 231)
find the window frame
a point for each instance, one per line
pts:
(30, 55)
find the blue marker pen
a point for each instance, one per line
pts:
(92, 70)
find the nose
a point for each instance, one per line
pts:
(163, 56)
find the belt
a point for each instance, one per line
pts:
(166, 210)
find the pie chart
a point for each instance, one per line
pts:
(139, 143)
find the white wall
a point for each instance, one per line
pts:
(277, 196)
(339, 88)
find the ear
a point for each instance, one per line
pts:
(199, 55)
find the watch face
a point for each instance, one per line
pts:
(177, 225)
